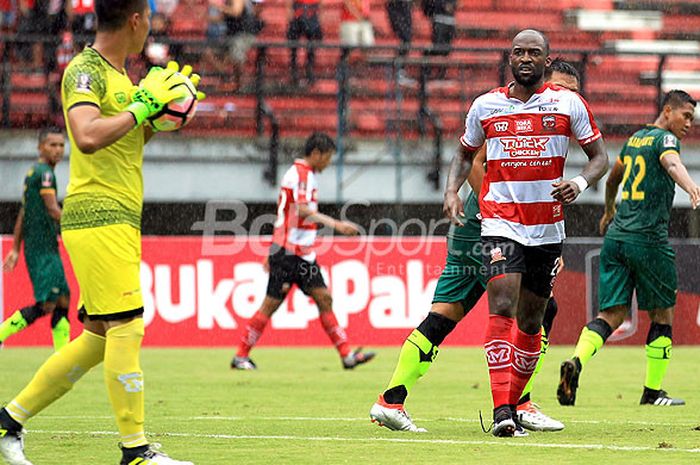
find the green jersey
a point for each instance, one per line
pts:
(471, 230)
(38, 228)
(647, 189)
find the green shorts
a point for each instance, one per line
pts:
(649, 270)
(462, 279)
(47, 276)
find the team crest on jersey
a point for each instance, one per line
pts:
(524, 146)
(523, 125)
(496, 255)
(549, 122)
(670, 141)
(500, 126)
(120, 97)
(83, 83)
(556, 210)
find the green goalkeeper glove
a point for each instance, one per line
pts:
(194, 78)
(153, 93)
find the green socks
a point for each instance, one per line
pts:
(12, 325)
(591, 340)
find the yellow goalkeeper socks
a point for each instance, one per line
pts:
(124, 380)
(57, 376)
(591, 340)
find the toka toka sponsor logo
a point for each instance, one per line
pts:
(523, 125)
(524, 146)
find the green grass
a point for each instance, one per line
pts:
(283, 413)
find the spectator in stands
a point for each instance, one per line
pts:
(83, 22)
(157, 52)
(165, 7)
(441, 14)
(400, 17)
(303, 21)
(216, 27)
(8, 10)
(33, 22)
(243, 23)
(355, 26)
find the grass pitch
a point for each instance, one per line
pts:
(300, 407)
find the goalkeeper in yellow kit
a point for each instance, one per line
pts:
(105, 115)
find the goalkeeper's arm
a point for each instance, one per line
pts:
(91, 131)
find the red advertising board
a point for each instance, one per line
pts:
(199, 291)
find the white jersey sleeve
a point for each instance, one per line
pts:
(583, 125)
(474, 135)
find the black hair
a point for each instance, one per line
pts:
(562, 66)
(44, 132)
(319, 141)
(113, 14)
(676, 98)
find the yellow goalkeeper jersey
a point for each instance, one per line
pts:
(105, 187)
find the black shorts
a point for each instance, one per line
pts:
(287, 269)
(537, 264)
(306, 24)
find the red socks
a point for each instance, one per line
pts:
(335, 333)
(255, 328)
(525, 357)
(511, 356)
(499, 355)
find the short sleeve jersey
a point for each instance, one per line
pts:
(105, 187)
(526, 148)
(38, 228)
(299, 186)
(647, 189)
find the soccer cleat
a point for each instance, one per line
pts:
(530, 416)
(149, 455)
(12, 447)
(243, 363)
(503, 423)
(660, 398)
(568, 382)
(520, 431)
(393, 416)
(357, 357)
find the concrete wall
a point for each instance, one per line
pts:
(196, 170)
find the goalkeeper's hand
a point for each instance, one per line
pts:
(156, 90)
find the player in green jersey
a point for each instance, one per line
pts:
(106, 117)
(459, 288)
(636, 255)
(37, 227)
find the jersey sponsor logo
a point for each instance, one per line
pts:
(546, 108)
(524, 146)
(670, 141)
(46, 180)
(549, 122)
(523, 125)
(501, 126)
(496, 255)
(83, 83)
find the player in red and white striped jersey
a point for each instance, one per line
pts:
(526, 127)
(292, 259)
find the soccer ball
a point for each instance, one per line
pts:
(179, 112)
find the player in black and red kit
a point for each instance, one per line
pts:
(292, 259)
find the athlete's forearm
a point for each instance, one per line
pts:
(612, 185)
(92, 132)
(679, 174)
(598, 162)
(306, 214)
(18, 233)
(476, 175)
(460, 167)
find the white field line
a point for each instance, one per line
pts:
(362, 419)
(391, 440)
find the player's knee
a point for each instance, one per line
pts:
(325, 302)
(503, 304)
(436, 327)
(57, 315)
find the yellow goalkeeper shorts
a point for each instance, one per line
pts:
(107, 263)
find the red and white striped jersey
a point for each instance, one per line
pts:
(299, 186)
(526, 148)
